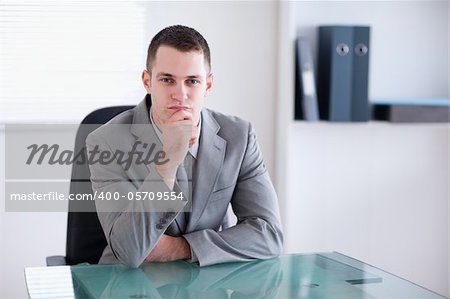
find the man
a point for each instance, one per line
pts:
(220, 152)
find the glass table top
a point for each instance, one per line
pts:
(316, 276)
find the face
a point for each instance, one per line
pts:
(178, 81)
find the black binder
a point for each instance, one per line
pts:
(343, 73)
(360, 96)
(306, 106)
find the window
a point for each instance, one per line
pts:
(61, 60)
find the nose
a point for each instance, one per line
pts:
(179, 93)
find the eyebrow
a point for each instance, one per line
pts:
(162, 74)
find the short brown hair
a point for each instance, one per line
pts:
(182, 38)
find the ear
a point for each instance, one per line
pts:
(209, 83)
(147, 81)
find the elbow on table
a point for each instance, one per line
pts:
(129, 258)
(271, 243)
(131, 263)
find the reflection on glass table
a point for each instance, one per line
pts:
(326, 275)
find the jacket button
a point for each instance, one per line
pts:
(159, 226)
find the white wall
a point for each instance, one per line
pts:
(243, 41)
(26, 239)
(285, 96)
(375, 191)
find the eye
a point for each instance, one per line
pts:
(193, 81)
(166, 80)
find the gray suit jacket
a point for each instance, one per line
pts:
(229, 169)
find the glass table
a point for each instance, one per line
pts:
(325, 275)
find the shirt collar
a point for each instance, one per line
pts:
(193, 150)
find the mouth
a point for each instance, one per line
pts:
(179, 107)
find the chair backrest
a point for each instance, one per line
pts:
(85, 239)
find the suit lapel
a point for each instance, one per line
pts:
(144, 132)
(210, 160)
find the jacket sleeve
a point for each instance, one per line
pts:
(132, 228)
(258, 233)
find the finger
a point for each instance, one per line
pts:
(181, 115)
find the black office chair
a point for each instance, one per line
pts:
(85, 239)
